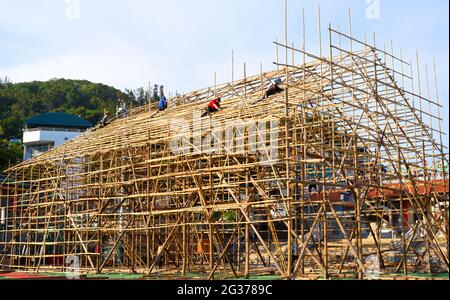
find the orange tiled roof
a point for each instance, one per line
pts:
(423, 188)
(393, 190)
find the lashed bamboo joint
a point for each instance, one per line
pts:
(306, 183)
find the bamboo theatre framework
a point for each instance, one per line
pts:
(339, 160)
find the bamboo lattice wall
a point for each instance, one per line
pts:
(339, 159)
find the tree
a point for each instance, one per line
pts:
(129, 97)
(10, 154)
(155, 96)
(140, 96)
(5, 81)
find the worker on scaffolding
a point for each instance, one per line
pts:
(122, 110)
(105, 119)
(213, 106)
(162, 105)
(273, 89)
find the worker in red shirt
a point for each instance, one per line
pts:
(213, 106)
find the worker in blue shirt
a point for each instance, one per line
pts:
(162, 104)
(162, 100)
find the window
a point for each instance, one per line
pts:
(35, 150)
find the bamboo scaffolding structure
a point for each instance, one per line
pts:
(302, 184)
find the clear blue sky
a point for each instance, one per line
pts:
(182, 42)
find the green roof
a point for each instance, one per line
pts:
(55, 119)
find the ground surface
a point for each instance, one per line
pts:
(188, 276)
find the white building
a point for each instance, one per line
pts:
(50, 130)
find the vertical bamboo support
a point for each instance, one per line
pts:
(288, 154)
(247, 197)
(402, 208)
(304, 150)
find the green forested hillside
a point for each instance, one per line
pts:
(20, 101)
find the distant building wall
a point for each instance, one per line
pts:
(39, 140)
(49, 130)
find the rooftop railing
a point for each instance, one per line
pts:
(54, 129)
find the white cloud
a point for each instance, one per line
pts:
(121, 66)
